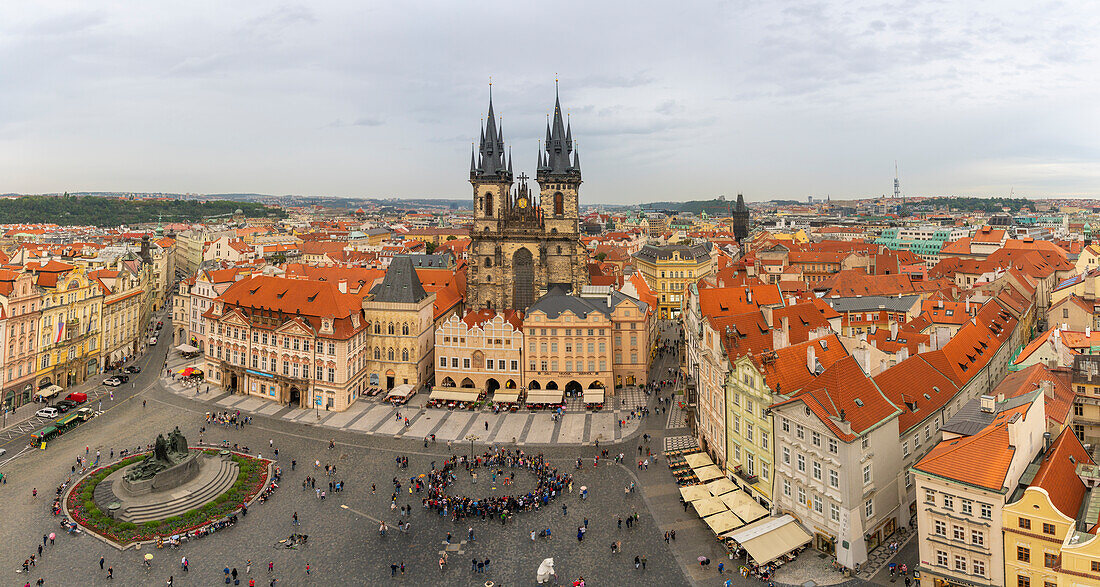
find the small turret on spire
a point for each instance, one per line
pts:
(473, 159)
(576, 159)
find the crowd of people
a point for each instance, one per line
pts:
(549, 483)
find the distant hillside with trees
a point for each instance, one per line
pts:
(97, 211)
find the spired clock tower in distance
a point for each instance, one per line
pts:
(522, 245)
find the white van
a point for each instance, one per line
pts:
(47, 413)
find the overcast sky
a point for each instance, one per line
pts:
(668, 100)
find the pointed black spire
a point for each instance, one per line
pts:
(559, 141)
(576, 160)
(493, 161)
(473, 159)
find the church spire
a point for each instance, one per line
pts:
(559, 141)
(493, 159)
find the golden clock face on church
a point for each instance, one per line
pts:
(522, 202)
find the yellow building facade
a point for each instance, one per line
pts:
(69, 344)
(670, 269)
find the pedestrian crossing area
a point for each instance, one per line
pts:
(371, 416)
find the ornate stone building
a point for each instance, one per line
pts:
(521, 246)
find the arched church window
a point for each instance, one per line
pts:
(405, 329)
(391, 354)
(559, 249)
(488, 204)
(404, 354)
(488, 262)
(559, 204)
(391, 328)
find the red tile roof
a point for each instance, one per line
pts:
(1060, 399)
(726, 301)
(478, 318)
(845, 390)
(981, 460)
(1058, 473)
(917, 388)
(786, 370)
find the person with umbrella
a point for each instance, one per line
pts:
(148, 560)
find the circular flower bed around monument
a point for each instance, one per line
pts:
(252, 477)
(550, 484)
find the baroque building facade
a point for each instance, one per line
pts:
(522, 247)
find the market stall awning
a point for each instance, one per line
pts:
(723, 522)
(593, 396)
(770, 539)
(694, 492)
(707, 473)
(698, 459)
(721, 486)
(545, 396)
(401, 391)
(510, 396)
(186, 348)
(458, 394)
(709, 506)
(49, 391)
(744, 506)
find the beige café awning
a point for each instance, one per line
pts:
(506, 396)
(723, 522)
(694, 492)
(49, 391)
(709, 506)
(401, 391)
(707, 473)
(698, 459)
(545, 396)
(720, 487)
(770, 539)
(744, 506)
(593, 396)
(457, 394)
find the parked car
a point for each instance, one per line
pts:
(122, 378)
(132, 369)
(153, 340)
(77, 397)
(47, 412)
(60, 407)
(69, 404)
(112, 382)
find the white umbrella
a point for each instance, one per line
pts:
(546, 569)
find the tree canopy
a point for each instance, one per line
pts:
(99, 211)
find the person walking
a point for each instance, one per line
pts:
(248, 567)
(110, 572)
(637, 562)
(101, 561)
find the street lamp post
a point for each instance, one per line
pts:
(472, 438)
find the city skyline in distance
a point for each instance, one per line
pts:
(383, 101)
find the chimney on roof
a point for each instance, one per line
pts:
(863, 357)
(940, 304)
(1048, 388)
(748, 294)
(893, 331)
(767, 312)
(1046, 443)
(988, 403)
(342, 285)
(967, 304)
(811, 359)
(781, 336)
